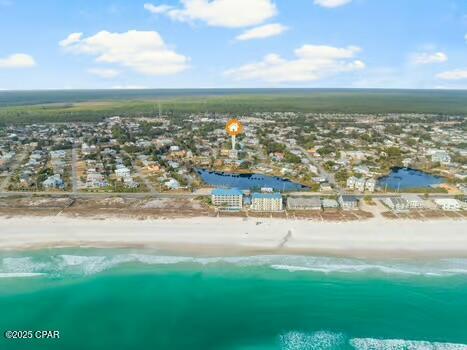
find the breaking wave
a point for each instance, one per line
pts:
(57, 264)
(19, 274)
(323, 340)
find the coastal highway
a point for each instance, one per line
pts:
(191, 195)
(99, 194)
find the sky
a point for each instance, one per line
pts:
(84, 44)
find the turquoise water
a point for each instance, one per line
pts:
(406, 178)
(123, 299)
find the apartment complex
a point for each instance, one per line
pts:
(227, 199)
(266, 202)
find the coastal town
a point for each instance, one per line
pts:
(278, 163)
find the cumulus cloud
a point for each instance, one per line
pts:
(104, 72)
(71, 39)
(458, 74)
(157, 9)
(219, 13)
(262, 32)
(332, 3)
(429, 57)
(142, 51)
(311, 62)
(17, 60)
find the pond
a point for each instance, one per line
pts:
(406, 178)
(248, 181)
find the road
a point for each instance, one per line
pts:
(74, 175)
(97, 194)
(322, 172)
(182, 195)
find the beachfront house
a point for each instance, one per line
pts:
(266, 202)
(329, 203)
(396, 203)
(414, 201)
(227, 199)
(348, 202)
(303, 203)
(448, 204)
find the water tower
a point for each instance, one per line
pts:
(234, 128)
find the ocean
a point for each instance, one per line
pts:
(141, 299)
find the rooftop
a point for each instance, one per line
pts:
(227, 192)
(275, 195)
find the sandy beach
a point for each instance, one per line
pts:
(233, 236)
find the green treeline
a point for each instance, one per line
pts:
(365, 102)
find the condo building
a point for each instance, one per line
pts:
(227, 199)
(266, 202)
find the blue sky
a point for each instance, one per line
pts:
(58, 44)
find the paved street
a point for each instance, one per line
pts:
(74, 175)
(322, 172)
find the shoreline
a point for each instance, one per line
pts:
(205, 236)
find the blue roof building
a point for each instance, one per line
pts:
(226, 192)
(275, 195)
(266, 202)
(230, 199)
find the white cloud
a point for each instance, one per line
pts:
(220, 13)
(17, 60)
(142, 51)
(457, 74)
(104, 72)
(429, 57)
(332, 3)
(312, 62)
(157, 9)
(262, 32)
(71, 39)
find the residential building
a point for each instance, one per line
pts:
(441, 156)
(172, 184)
(325, 187)
(370, 185)
(122, 171)
(414, 201)
(228, 199)
(303, 203)
(396, 203)
(448, 204)
(348, 202)
(360, 185)
(330, 203)
(351, 182)
(266, 201)
(53, 182)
